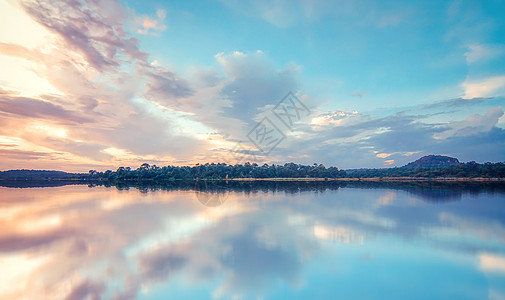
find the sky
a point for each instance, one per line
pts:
(102, 84)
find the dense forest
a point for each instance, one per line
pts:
(462, 170)
(292, 170)
(425, 167)
(219, 171)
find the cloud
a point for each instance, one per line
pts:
(486, 87)
(135, 110)
(102, 80)
(286, 14)
(86, 290)
(23, 242)
(254, 82)
(389, 162)
(279, 13)
(21, 155)
(492, 263)
(149, 24)
(454, 103)
(354, 140)
(144, 111)
(468, 26)
(394, 17)
(159, 265)
(480, 53)
(359, 95)
(95, 33)
(473, 125)
(164, 86)
(34, 108)
(332, 118)
(387, 21)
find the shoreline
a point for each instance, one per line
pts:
(363, 179)
(379, 179)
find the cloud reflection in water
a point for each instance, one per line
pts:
(75, 242)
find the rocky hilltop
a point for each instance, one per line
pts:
(433, 161)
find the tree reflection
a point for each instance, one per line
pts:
(214, 193)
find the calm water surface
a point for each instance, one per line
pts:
(262, 242)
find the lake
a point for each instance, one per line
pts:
(267, 240)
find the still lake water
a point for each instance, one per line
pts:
(265, 241)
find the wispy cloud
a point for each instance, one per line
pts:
(285, 14)
(150, 25)
(35, 108)
(480, 53)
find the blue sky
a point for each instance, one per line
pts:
(98, 85)
(390, 50)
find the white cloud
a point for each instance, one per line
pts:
(501, 120)
(336, 118)
(492, 263)
(17, 27)
(486, 87)
(478, 53)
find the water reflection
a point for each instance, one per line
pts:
(269, 240)
(211, 194)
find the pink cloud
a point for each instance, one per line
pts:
(149, 23)
(389, 162)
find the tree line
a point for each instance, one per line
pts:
(220, 171)
(461, 170)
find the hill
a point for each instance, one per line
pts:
(433, 161)
(35, 175)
